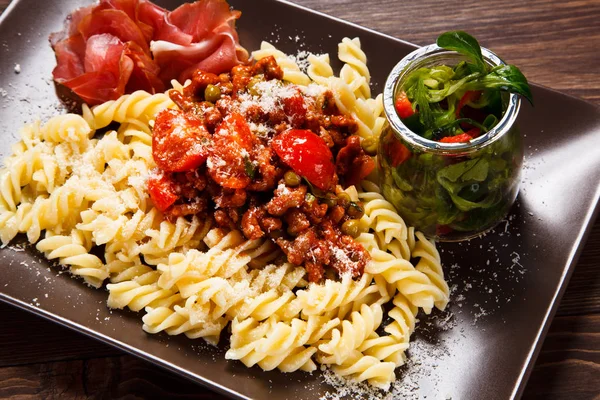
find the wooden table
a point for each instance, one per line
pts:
(556, 43)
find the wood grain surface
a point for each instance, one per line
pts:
(556, 43)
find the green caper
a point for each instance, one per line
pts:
(351, 227)
(212, 93)
(252, 84)
(292, 179)
(355, 211)
(369, 145)
(309, 198)
(344, 199)
(330, 199)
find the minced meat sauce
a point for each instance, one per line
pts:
(268, 158)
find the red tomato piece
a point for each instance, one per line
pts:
(442, 230)
(468, 97)
(462, 138)
(295, 108)
(162, 191)
(307, 154)
(473, 132)
(403, 106)
(352, 163)
(397, 153)
(229, 164)
(180, 141)
(361, 168)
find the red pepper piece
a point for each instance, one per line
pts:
(403, 106)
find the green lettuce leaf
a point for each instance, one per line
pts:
(465, 44)
(504, 77)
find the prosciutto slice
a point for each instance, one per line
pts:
(107, 69)
(199, 35)
(120, 46)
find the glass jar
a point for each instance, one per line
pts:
(449, 191)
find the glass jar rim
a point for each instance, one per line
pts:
(427, 145)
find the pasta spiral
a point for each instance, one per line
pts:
(178, 320)
(139, 293)
(19, 172)
(431, 265)
(355, 70)
(414, 284)
(360, 368)
(384, 348)
(71, 252)
(271, 345)
(138, 106)
(169, 237)
(404, 316)
(67, 128)
(223, 260)
(352, 334)
(319, 299)
(319, 69)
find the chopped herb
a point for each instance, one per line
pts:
(249, 167)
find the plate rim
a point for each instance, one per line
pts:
(592, 214)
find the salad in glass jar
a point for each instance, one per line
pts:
(451, 155)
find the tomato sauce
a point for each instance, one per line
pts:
(268, 158)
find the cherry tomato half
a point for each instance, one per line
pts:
(403, 106)
(307, 154)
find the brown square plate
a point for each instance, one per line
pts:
(506, 286)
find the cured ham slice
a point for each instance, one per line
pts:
(145, 72)
(214, 55)
(113, 22)
(198, 35)
(120, 46)
(106, 70)
(139, 12)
